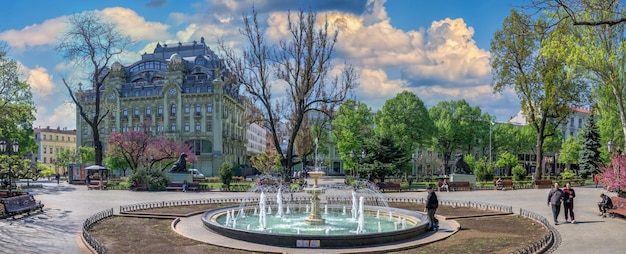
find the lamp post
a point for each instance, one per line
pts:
(363, 154)
(3, 149)
(610, 148)
(556, 158)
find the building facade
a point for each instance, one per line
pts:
(178, 92)
(50, 141)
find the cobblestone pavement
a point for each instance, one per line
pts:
(57, 229)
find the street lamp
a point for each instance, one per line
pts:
(3, 149)
(610, 147)
(363, 154)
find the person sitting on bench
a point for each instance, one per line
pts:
(606, 203)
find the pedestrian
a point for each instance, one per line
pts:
(431, 207)
(568, 202)
(87, 180)
(185, 185)
(555, 198)
(58, 177)
(606, 203)
(596, 179)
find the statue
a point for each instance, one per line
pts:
(180, 166)
(461, 166)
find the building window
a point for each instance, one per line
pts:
(148, 111)
(580, 123)
(136, 112)
(209, 126)
(159, 128)
(173, 110)
(173, 127)
(45, 149)
(197, 126)
(209, 107)
(44, 159)
(186, 108)
(571, 123)
(44, 136)
(57, 137)
(125, 112)
(160, 110)
(186, 126)
(198, 108)
(62, 138)
(113, 129)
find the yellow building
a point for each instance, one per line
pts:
(180, 92)
(50, 141)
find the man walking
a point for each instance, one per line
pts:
(431, 207)
(568, 202)
(554, 199)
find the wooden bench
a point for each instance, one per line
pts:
(21, 204)
(191, 186)
(140, 187)
(459, 185)
(542, 184)
(506, 184)
(389, 186)
(96, 185)
(619, 206)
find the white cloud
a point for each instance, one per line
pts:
(63, 115)
(134, 25)
(40, 82)
(36, 34)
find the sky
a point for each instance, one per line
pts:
(439, 50)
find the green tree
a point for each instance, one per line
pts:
(64, 157)
(484, 170)
(87, 155)
(114, 161)
(507, 161)
(570, 152)
(383, 157)
(518, 173)
(266, 162)
(352, 126)
(91, 43)
(545, 87)
(16, 104)
(405, 119)
(226, 173)
(302, 60)
(589, 159)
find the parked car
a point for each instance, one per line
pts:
(196, 173)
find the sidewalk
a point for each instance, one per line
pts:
(58, 229)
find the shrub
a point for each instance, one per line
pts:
(519, 173)
(484, 170)
(154, 179)
(226, 173)
(567, 174)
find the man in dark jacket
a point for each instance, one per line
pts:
(568, 202)
(606, 203)
(554, 199)
(431, 207)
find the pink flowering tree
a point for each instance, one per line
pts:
(613, 175)
(138, 150)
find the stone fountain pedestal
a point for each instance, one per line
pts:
(315, 217)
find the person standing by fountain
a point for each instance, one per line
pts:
(432, 203)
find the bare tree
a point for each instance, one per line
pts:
(578, 11)
(303, 62)
(91, 43)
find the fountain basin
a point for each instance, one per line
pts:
(325, 236)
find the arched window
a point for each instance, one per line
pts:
(173, 110)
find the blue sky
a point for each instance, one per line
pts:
(438, 50)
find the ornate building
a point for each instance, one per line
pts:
(177, 91)
(50, 141)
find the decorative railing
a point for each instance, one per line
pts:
(93, 243)
(548, 243)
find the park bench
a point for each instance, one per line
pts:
(506, 184)
(389, 186)
(96, 184)
(618, 206)
(140, 187)
(459, 185)
(191, 186)
(24, 203)
(542, 184)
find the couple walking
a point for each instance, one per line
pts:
(565, 196)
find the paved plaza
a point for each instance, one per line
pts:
(58, 228)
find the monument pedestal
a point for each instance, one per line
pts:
(463, 178)
(180, 177)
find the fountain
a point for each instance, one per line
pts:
(307, 224)
(299, 221)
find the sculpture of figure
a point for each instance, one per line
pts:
(461, 166)
(180, 166)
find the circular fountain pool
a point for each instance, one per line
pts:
(355, 215)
